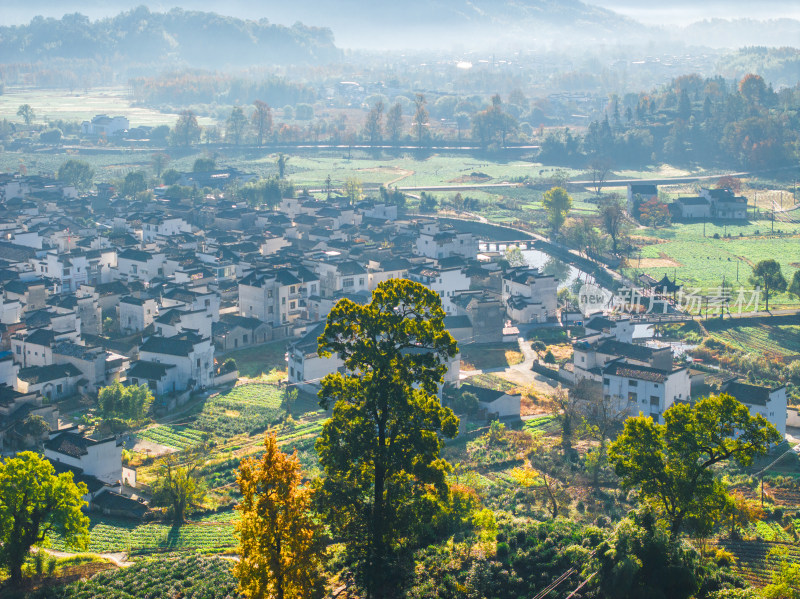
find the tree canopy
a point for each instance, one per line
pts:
(767, 275)
(77, 173)
(279, 543)
(125, 403)
(671, 463)
(380, 450)
(35, 502)
(557, 202)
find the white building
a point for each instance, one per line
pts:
(192, 355)
(529, 296)
(434, 242)
(770, 403)
(136, 313)
(643, 389)
(138, 265)
(102, 124)
(99, 458)
(447, 282)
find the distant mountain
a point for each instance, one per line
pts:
(735, 33)
(355, 23)
(471, 23)
(184, 37)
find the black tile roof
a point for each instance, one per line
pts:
(749, 394)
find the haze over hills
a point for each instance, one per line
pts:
(481, 24)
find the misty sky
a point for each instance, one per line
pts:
(664, 12)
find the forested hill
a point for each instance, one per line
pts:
(481, 23)
(190, 37)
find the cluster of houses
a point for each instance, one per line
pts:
(720, 204)
(96, 289)
(636, 378)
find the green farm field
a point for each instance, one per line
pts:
(762, 338)
(82, 105)
(702, 262)
(207, 535)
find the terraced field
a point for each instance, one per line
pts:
(762, 338)
(208, 535)
(753, 561)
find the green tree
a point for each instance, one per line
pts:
(236, 125)
(671, 463)
(125, 403)
(557, 202)
(262, 120)
(204, 165)
(134, 182)
(427, 202)
(767, 275)
(159, 160)
(639, 560)
(353, 190)
(279, 543)
(26, 112)
(186, 130)
(77, 173)
(794, 288)
(178, 486)
(420, 122)
(373, 125)
(34, 503)
(612, 216)
(380, 450)
(394, 123)
(281, 163)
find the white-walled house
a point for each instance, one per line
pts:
(191, 354)
(99, 458)
(496, 403)
(138, 265)
(650, 391)
(435, 242)
(306, 366)
(55, 382)
(769, 402)
(136, 313)
(102, 124)
(447, 282)
(621, 329)
(528, 295)
(590, 354)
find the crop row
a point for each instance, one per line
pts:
(191, 577)
(179, 437)
(108, 535)
(245, 409)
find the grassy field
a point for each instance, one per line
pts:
(81, 105)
